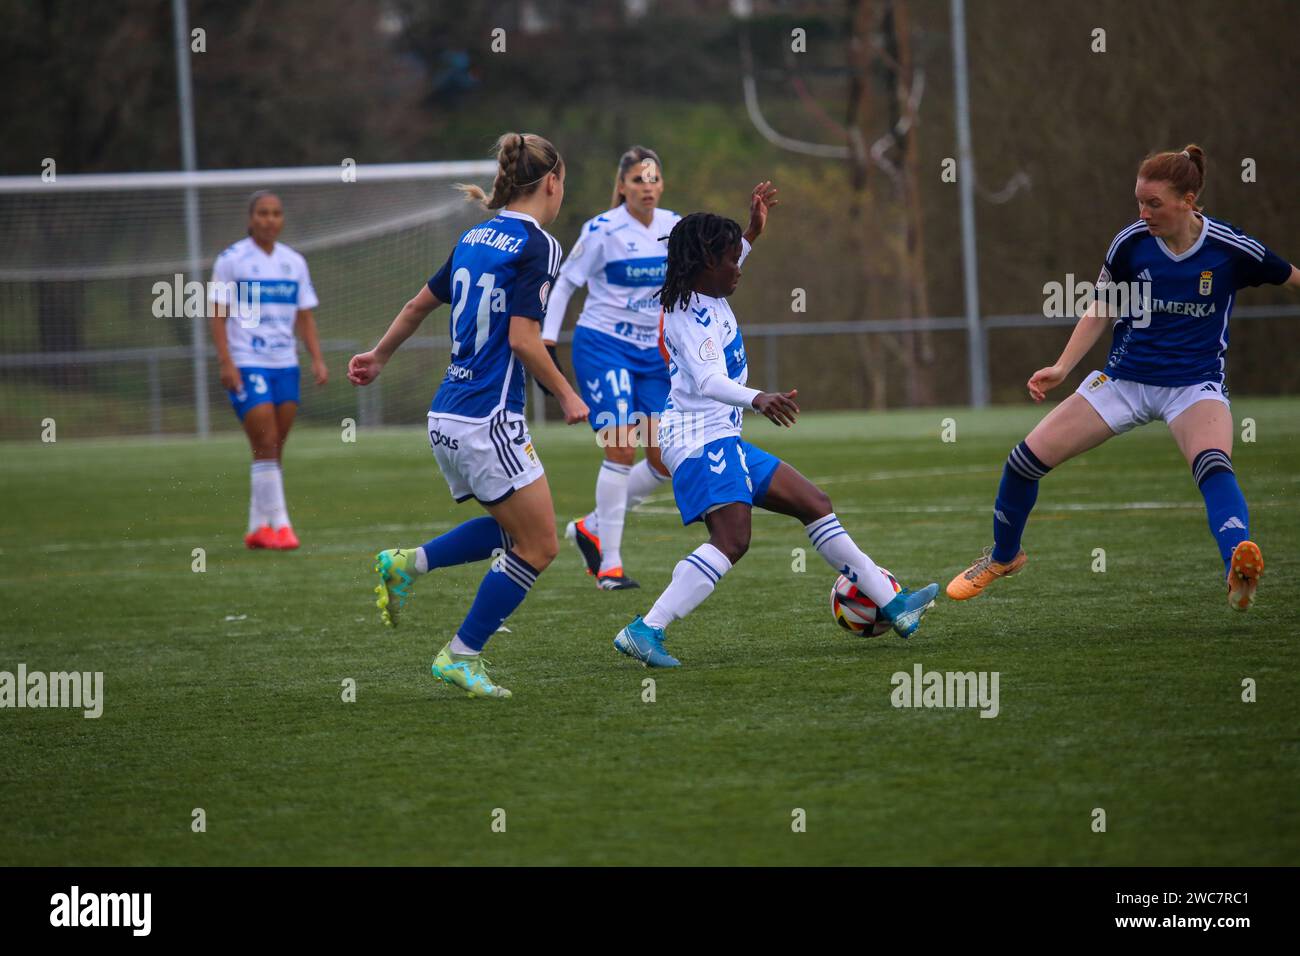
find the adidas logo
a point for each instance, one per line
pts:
(1233, 522)
(1145, 275)
(1209, 387)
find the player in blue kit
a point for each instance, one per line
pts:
(718, 478)
(1167, 361)
(497, 280)
(260, 297)
(620, 258)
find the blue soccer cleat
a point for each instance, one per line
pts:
(644, 643)
(908, 607)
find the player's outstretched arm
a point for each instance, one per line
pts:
(779, 407)
(1293, 279)
(526, 342)
(762, 199)
(1086, 333)
(365, 368)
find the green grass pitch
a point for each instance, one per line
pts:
(1120, 690)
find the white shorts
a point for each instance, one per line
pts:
(1124, 405)
(489, 460)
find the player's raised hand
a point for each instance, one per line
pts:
(364, 368)
(762, 199)
(779, 407)
(1044, 380)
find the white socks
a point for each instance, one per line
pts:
(611, 506)
(266, 500)
(642, 480)
(639, 482)
(460, 647)
(421, 561)
(834, 544)
(694, 579)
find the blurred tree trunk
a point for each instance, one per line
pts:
(862, 210)
(896, 58)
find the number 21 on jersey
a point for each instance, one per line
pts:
(491, 299)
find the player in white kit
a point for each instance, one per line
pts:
(717, 476)
(621, 257)
(260, 297)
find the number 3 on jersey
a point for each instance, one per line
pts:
(491, 299)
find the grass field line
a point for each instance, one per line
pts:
(420, 528)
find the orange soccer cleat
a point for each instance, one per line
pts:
(615, 580)
(263, 537)
(972, 582)
(1246, 569)
(588, 544)
(285, 539)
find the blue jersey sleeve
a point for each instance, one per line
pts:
(440, 284)
(538, 266)
(1271, 269)
(1115, 267)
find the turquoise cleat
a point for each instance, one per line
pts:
(908, 607)
(396, 570)
(644, 643)
(466, 672)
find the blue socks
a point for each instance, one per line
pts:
(503, 589)
(475, 540)
(1225, 506)
(1016, 497)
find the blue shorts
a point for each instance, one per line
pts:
(618, 380)
(723, 471)
(261, 385)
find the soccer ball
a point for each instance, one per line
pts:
(856, 612)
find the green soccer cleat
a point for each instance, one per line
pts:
(396, 569)
(466, 671)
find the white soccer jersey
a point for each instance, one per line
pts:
(703, 342)
(262, 338)
(622, 263)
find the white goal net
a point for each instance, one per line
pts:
(82, 259)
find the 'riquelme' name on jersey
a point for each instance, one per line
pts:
(487, 236)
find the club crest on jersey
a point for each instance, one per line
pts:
(1207, 279)
(1097, 382)
(707, 351)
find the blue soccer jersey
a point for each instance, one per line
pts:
(499, 268)
(1176, 333)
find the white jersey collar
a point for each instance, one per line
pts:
(511, 214)
(1193, 248)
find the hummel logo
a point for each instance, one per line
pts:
(721, 465)
(593, 389)
(849, 574)
(1233, 522)
(701, 316)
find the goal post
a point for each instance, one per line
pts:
(98, 296)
